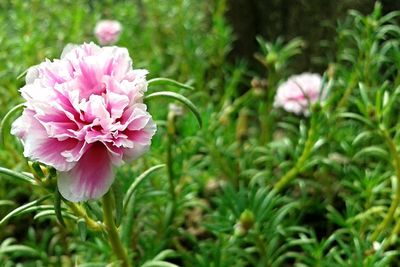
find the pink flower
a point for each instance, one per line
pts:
(107, 31)
(298, 92)
(85, 114)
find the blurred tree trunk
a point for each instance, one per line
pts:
(313, 20)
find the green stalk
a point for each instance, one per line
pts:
(112, 230)
(266, 107)
(397, 80)
(170, 170)
(266, 122)
(347, 93)
(294, 171)
(396, 201)
(392, 238)
(261, 248)
(80, 212)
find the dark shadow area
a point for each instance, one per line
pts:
(313, 20)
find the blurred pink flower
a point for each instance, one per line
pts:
(108, 31)
(85, 114)
(298, 92)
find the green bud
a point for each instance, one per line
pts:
(247, 219)
(271, 58)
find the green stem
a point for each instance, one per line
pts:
(392, 238)
(294, 171)
(171, 184)
(127, 227)
(396, 201)
(267, 119)
(261, 249)
(78, 210)
(170, 171)
(349, 89)
(397, 80)
(266, 123)
(112, 230)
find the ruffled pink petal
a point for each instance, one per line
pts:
(137, 151)
(298, 92)
(35, 92)
(141, 141)
(135, 117)
(93, 136)
(56, 72)
(77, 152)
(38, 146)
(139, 77)
(89, 80)
(32, 74)
(20, 126)
(116, 153)
(91, 177)
(132, 89)
(116, 104)
(121, 63)
(67, 49)
(144, 135)
(95, 112)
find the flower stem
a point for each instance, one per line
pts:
(392, 238)
(396, 201)
(267, 119)
(112, 230)
(292, 173)
(266, 122)
(349, 89)
(78, 210)
(170, 170)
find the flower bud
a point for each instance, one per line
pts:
(271, 59)
(108, 31)
(247, 219)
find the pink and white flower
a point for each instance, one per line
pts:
(85, 114)
(108, 31)
(298, 92)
